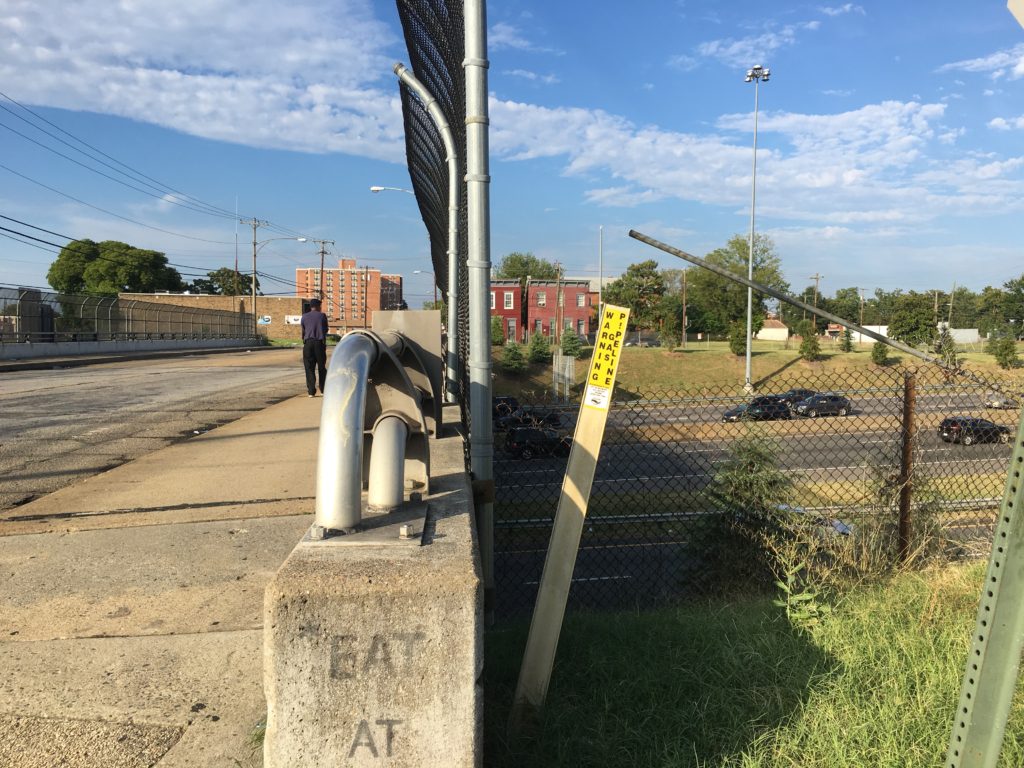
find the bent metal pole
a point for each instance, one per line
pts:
(445, 129)
(762, 288)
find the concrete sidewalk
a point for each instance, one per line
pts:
(131, 603)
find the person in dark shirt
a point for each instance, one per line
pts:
(314, 346)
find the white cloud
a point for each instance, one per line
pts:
(202, 67)
(748, 49)
(1005, 124)
(842, 9)
(837, 92)
(995, 64)
(532, 76)
(505, 36)
(871, 167)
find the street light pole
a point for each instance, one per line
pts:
(433, 280)
(755, 74)
(376, 188)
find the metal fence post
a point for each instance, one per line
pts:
(909, 436)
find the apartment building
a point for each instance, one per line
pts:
(350, 294)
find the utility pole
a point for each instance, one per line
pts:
(935, 318)
(816, 278)
(254, 222)
(949, 317)
(684, 309)
(558, 302)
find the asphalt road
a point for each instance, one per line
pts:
(60, 426)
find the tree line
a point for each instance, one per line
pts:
(109, 267)
(716, 305)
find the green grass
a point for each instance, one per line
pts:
(703, 365)
(873, 684)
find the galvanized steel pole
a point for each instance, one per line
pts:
(481, 446)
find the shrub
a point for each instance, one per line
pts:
(810, 348)
(945, 348)
(738, 339)
(539, 350)
(497, 331)
(1005, 352)
(846, 345)
(879, 353)
(572, 346)
(513, 361)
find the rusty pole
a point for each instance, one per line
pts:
(907, 465)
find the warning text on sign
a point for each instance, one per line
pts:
(607, 348)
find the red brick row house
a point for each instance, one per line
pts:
(552, 308)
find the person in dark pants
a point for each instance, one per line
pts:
(314, 346)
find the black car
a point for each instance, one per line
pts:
(826, 404)
(969, 430)
(794, 396)
(528, 417)
(527, 442)
(763, 408)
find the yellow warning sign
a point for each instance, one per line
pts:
(607, 348)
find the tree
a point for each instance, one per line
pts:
(497, 331)
(810, 347)
(640, 289)
(539, 350)
(991, 311)
(1004, 350)
(879, 353)
(846, 345)
(722, 301)
(513, 361)
(224, 282)
(571, 345)
(519, 266)
(945, 348)
(738, 338)
(1013, 301)
(913, 319)
(110, 267)
(670, 319)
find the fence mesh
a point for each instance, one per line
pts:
(31, 315)
(434, 37)
(856, 451)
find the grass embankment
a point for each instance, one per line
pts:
(713, 366)
(875, 683)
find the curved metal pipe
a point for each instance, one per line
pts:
(339, 469)
(444, 128)
(387, 465)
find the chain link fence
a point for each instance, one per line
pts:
(889, 463)
(34, 316)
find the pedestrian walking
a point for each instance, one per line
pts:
(314, 346)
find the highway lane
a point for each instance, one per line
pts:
(60, 426)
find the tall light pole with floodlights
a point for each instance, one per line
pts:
(432, 280)
(755, 74)
(255, 223)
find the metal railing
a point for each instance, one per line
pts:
(34, 316)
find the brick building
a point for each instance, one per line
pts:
(556, 306)
(277, 316)
(507, 303)
(351, 294)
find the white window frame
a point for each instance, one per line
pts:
(542, 299)
(509, 300)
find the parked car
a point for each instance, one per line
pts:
(763, 408)
(527, 442)
(794, 396)
(528, 417)
(1001, 401)
(968, 430)
(503, 405)
(825, 404)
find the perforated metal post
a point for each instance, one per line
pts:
(994, 661)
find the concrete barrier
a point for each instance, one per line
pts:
(373, 643)
(28, 351)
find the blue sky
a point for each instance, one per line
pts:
(890, 141)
